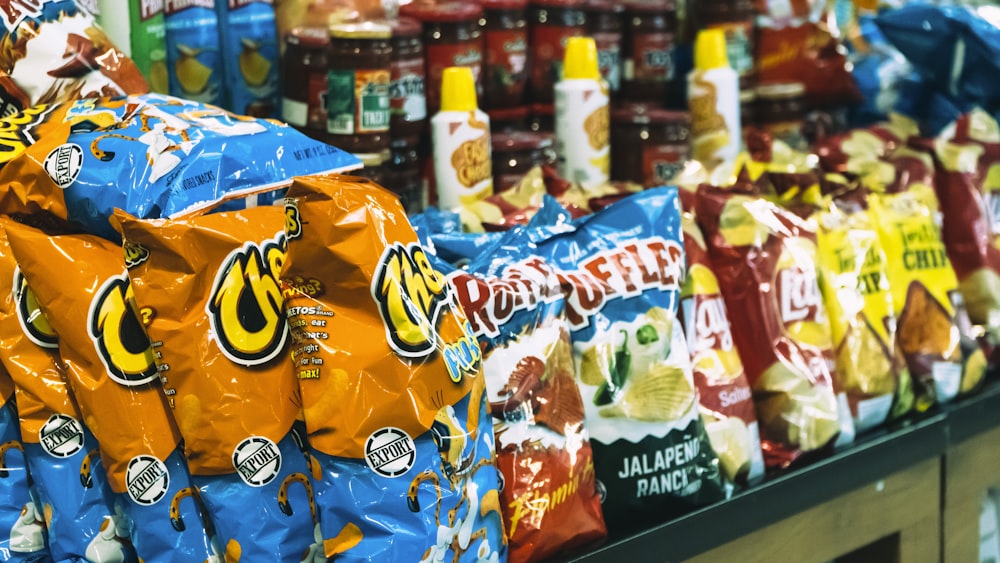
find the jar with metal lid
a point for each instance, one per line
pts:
(374, 165)
(737, 19)
(648, 146)
(515, 153)
(506, 36)
(552, 23)
(408, 112)
(403, 176)
(509, 119)
(304, 64)
(357, 99)
(604, 24)
(452, 37)
(648, 51)
(543, 118)
(748, 110)
(780, 110)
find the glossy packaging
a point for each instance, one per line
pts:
(194, 51)
(249, 42)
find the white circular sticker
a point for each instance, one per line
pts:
(147, 479)
(390, 452)
(61, 436)
(257, 461)
(63, 164)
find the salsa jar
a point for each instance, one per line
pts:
(304, 62)
(648, 52)
(649, 146)
(408, 112)
(737, 19)
(506, 37)
(604, 24)
(509, 119)
(452, 37)
(357, 99)
(543, 118)
(552, 22)
(780, 111)
(373, 166)
(517, 152)
(404, 176)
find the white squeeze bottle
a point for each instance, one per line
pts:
(463, 160)
(582, 136)
(713, 101)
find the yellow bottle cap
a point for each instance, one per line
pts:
(580, 60)
(458, 90)
(710, 50)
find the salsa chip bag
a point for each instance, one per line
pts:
(391, 381)
(723, 390)
(53, 51)
(516, 308)
(764, 259)
(250, 53)
(194, 53)
(855, 286)
(81, 285)
(622, 269)
(212, 285)
(152, 156)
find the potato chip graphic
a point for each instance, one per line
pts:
(739, 225)
(595, 363)
(253, 66)
(159, 77)
(791, 410)
(981, 292)
(192, 74)
(731, 441)
(661, 394)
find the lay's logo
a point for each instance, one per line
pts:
(245, 307)
(410, 295)
(118, 335)
(34, 324)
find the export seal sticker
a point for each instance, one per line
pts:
(63, 164)
(257, 461)
(61, 436)
(147, 480)
(390, 452)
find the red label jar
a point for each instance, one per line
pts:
(403, 176)
(357, 100)
(604, 24)
(648, 146)
(452, 37)
(552, 23)
(373, 166)
(780, 110)
(408, 112)
(509, 119)
(517, 152)
(648, 57)
(506, 37)
(303, 104)
(543, 118)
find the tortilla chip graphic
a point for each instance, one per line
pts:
(661, 394)
(254, 67)
(192, 74)
(925, 327)
(863, 360)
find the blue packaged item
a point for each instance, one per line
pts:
(22, 531)
(194, 51)
(441, 233)
(880, 72)
(250, 55)
(152, 156)
(622, 268)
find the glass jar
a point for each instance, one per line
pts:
(552, 23)
(748, 110)
(737, 19)
(374, 166)
(506, 37)
(304, 64)
(648, 146)
(406, 91)
(509, 119)
(358, 61)
(604, 24)
(780, 110)
(404, 176)
(543, 118)
(517, 152)
(648, 52)
(452, 37)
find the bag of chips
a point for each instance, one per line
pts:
(516, 309)
(211, 283)
(53, 51)
(250, 53)
(391, 382)
(153, 156)
(194, 54)
(723, 391)
(622, 269)
(81, 285)
(765, 259)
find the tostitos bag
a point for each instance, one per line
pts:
(80, 283)
(391, 381)
(211, 285)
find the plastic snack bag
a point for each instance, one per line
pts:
(391, 382)
(141, 36)
(80, 284)
(212, 284)
(194, 53)
(152, 156)
(250, 51)
(516, 309)
(622, 269)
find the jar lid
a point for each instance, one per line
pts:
(446, 12)
(370, 159)
(504, 4)
(748, 96)
(651, 6)
(781, 90)
(406, 27)
(520, 141)
(559, 3)
(308, 37)
(360, 30)
(508, 114)
(653, 116)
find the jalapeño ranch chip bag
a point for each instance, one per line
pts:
(53, 51)
(152, 156)
(211, 284)
(516, 309)
(622, 269)
(391, 381)
(74, 501)
(81, 285)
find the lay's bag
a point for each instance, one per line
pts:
(622, 269)
(391, 381)
(82, 287)
(212, 288)
(152, 156)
